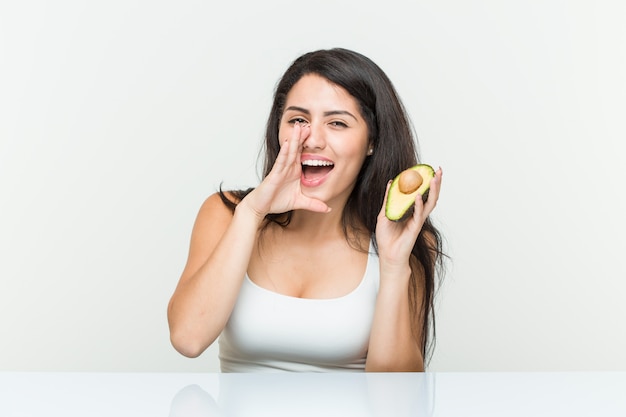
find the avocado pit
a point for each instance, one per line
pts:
(409, 181)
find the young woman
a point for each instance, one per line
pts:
(305, 272)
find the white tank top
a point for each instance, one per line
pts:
(272, 332)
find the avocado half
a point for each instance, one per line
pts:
(405, 188)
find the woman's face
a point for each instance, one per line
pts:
(337, 142)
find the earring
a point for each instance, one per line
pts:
(370, 151)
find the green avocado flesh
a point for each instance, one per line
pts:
(398, 203)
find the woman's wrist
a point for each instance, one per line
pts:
(398, 272)
(244, 208)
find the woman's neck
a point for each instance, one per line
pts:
(321, 227)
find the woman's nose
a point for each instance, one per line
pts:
(315, 138)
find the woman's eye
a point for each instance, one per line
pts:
(338, 124)
(298, 120)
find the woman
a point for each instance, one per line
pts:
(305, 272)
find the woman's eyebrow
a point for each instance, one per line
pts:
(340, 112)
(327, 113)
(298, 109)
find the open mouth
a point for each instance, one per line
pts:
(315, 169)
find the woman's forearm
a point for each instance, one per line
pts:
(393, 345)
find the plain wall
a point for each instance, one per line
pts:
(118, 118)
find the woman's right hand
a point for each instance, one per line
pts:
(281, 190)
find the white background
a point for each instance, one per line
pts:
(118, 118)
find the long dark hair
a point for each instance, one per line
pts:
(395, 149)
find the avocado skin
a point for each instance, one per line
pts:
(399, 206)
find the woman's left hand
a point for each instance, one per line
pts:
(396, 239)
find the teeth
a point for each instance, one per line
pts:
(317, 163)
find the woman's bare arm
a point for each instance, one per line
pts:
(220, 250)
(394, 343)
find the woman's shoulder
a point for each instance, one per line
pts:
(212, 220)
(226, 198)
(220, 204)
